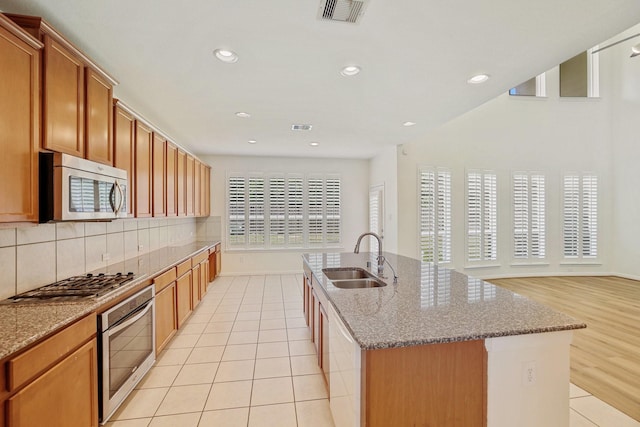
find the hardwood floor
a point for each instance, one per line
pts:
(605, 357)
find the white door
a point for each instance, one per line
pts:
(376, 215)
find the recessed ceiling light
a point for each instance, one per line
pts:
(243, 115)
(252, 141)
(225, 55)
(477, 79)
(314, 144)
(407, 124)
(350, 70)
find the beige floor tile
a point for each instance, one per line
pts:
(273, 367)
(235, 371)
(192, 328)
(140, 404)
(297, 322)
(293, 313)
(234, 394)
(272, 324)
(293, 305)
(237, 417)
(160, 376)
(223, 317)
(272, 306)
(184, 341)
(283, 415)
(206, 354)
(200, 317)
(181, 420)
(173, 356)
(247, 337)
(214, 327)
(183, 399)
(577, 420)
(228, 308)
(213, 339)
(248, 315)
(575, 391)
(272, 390)
(301, 348)
(201, 373)
(138, 422)
(250, 307)
(601, 413)
(239, 352)
(272, 349)
(246, 325)
(305, 365)
(309, 387)
(272, 335)
(314, 413)
(275, 314)
(299, 334)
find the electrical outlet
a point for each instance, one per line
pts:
(529, 373)
(105, 257)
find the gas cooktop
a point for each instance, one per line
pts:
(74, 288)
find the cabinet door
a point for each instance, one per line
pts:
(159, 181)
(189, 185)
(166, 316)
(324, 343)
(20, 124)
(65, 396)
(218, 260)
(98, 118)
(195, 285)
(124, 149)
(172, 183)
(184, 297)
(207, 191)
(197, 185)
(204, 278)
(181, 182)
(63, 100)
(143, 171)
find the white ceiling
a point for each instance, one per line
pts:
(416, 56)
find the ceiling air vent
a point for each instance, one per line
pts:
(301, 127)
(342, 10)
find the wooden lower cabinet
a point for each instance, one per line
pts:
(195, 286)
(183, 285)
(64, 396)
(166, 316)
(204, 278)
(323, 352)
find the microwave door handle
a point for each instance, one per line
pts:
(141, 311)
(112, 195)
(117, 210)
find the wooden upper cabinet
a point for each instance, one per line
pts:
(19, 123)
(99, 118)
(197, 185)
(172, 183)
(63, 100)
(143, 180)
(181, 182)
(124, 149)
(159, 181)
(76, 96)
(189, 176)
(206, 190)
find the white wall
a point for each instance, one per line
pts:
(383, 170)
(626, 158)
(355, 184)
(507, 134)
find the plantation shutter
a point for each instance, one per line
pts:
(589, 216)
(237, 222)
(333, 219)
(316, 210)
(580, 216)
(435, 215)
(276, 211)
(482, 216)
(256, 211)
(538, 226)
(295, 212)
(571, 215)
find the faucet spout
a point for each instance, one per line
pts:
(380, 256)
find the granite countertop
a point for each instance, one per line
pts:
(24, 323)
(429, 305)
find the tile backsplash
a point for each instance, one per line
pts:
(38, 255)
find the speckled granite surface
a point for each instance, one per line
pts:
(23, 324)
(430, 304)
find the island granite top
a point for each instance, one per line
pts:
(429, 304)
(22, 324)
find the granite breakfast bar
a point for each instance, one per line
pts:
(437, 348)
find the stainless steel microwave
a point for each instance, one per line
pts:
(75, 189)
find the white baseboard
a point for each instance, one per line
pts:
(258, 273)
(548, 274)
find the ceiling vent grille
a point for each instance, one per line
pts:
(342, 10)
(301, 127)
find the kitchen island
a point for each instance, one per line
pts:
(437, 348)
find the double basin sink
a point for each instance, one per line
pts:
(352, 278)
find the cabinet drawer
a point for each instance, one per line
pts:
(163, 280)
(184, 267)
(27, 365)
(199, 258)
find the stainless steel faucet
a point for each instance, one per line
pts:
(380, 256)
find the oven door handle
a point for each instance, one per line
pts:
(133, 317)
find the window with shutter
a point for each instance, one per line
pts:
(283, 211)
(580, 216)
(529, 216)
(482, 216)
(376, 215)
(435, 215)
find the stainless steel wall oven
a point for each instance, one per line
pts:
(126, 348)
